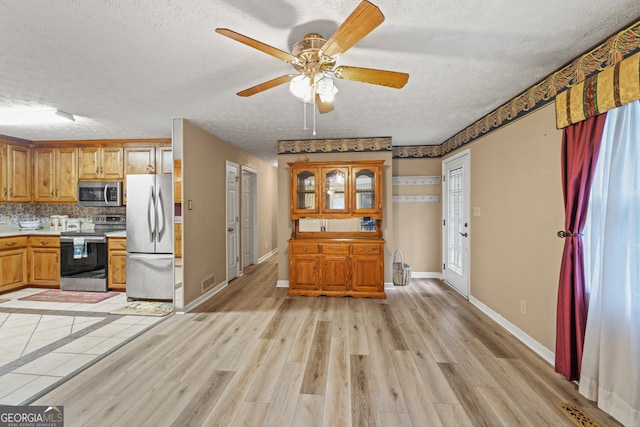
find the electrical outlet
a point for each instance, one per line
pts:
(523, 306)
(266, 245)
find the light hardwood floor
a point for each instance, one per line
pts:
(251, 356)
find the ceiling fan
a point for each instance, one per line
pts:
(314, 58)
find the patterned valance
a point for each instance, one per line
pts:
(343, 145)
(602, 92)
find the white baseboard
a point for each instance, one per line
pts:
(426, 275)
(263, 257)
(534, 345)
(202, 298)
(282, 284)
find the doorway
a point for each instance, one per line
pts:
(455, 223)
(232, 218)
(249, 216)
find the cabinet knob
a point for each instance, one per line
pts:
(44, 242)
(305, 249)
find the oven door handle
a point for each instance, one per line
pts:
(89, 239)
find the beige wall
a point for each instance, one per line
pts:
(515, 254)
(284, 222)
(204, 159)
(417, 225)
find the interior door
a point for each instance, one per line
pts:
(233, 254)
(455, 232)
(248, 217)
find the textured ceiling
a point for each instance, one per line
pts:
(126, 68)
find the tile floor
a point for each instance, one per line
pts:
(45, 343)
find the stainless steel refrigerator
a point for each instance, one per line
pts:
(150, 237)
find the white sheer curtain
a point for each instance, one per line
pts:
(610, 372)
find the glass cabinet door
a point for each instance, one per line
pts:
(335, 190)
(366, 191)
(305, 200)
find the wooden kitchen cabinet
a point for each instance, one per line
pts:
(340, 251)
(336, 189)
(55, 174)
(13, 262)
(177, 236)
(117, 265)
(304, 190)
(44, 261)
(346, 268)
(143, 158)
(146, 159)
(101, 163)
(164, 159)
(177, 181)
(15, 173)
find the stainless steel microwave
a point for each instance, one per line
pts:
(100, 194)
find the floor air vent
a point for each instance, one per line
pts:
(208, 283)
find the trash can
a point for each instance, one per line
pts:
(401, 271)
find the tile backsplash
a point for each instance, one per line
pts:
(27, 211)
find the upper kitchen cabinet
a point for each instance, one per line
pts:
(55, 174)
(141, 158)
(15, 171)
(164, 159)
(101, 163)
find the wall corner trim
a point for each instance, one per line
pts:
(534, 345)
(264, 257)
(282, 284)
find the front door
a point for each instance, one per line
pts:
(455, 224)
(233, 201)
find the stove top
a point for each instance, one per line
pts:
(95, 232)
(103, 225)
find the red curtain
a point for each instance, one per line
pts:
(580, 147)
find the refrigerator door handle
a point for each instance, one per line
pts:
(151, 214)
(161, 217)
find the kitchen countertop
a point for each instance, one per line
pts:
(13, 230)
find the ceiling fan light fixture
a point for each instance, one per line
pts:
(28, 117)
(305, 89)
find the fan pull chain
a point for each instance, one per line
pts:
(314, 116)
(304, 115)
(313, 106)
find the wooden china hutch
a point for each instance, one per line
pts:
(336, 247)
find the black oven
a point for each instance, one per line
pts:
(83, 262)
(83, 255)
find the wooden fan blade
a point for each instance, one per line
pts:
(323, 107)
(369, 75)
(361, 22)
(270, 50)
(266, 85)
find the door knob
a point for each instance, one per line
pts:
(464, 234)
(230, 229)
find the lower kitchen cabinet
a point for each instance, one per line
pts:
(117, 268)
(177, 236)
(44, 261)
(351, 268)
(13, 262)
